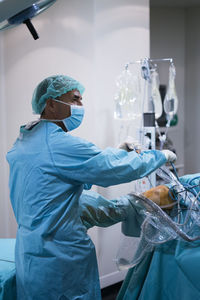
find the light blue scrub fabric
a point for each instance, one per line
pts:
(171, 272)
(7, 270)
(55, 258)
(96, 210)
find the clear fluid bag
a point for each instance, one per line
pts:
(171, 99)
(127, 97)
(155, 94)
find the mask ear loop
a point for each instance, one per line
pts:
(74, 105)
(59, 101)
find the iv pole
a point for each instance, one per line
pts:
(146, 65)
(148, 122)
(148, 127)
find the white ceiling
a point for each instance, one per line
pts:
(175, 3)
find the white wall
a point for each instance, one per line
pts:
(4, 202)
(192, 103)
(91, 41)
(167, 39)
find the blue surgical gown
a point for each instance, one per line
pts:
(49, 168)
(170, 272)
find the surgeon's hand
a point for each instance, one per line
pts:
(130, 144)
(170, 156)
(159, 195)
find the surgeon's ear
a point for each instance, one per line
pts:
(50, 105)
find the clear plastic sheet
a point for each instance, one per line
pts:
(160, 226)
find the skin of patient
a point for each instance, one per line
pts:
(159, 195)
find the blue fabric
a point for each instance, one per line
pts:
(7, 270)
(55, 258)
(96, 210)
(171, 272)
(191, 179)
(75, 119)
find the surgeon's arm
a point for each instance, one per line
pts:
(99, 211)
(83, 163)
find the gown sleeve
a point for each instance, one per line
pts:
(81, 162)
(95, 210)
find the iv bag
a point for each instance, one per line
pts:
(171, 100)
(155, 94)
(127, 97)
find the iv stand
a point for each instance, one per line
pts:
(146, 65)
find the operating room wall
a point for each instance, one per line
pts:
(91, 41)
(174, 32)
(167, 40)
(4, 205)
(192, 88)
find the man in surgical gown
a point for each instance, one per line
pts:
(171, 271)
(49, 170)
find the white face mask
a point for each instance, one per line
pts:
(76, 118)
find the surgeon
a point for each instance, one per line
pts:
(49, 171)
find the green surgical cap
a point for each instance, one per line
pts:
(53, 87)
